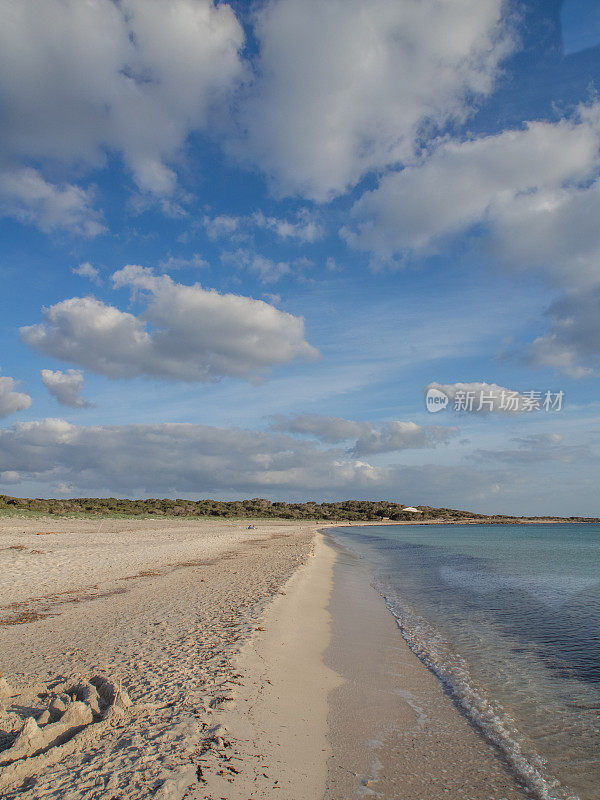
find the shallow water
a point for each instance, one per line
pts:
(508, 617)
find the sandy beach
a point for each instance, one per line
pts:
(159, 608)
(202, 659)
(333, 704)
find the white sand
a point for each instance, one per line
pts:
(77, 554)
(280, 720)
(160, 607)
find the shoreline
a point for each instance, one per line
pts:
(394, 730)
(377, 720)
(260, 663)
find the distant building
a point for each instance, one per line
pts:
(412, 510)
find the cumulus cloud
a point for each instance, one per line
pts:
(66, 387)
(340, 88)
(481, 397)
(266, 269)
(135, 77)
(518, 183)
(572, 344)
(10, 477)
(397, 435)
(86, 270)
(184, 332)
(532, 195)
(11, 400)
(347, 87)
(177, 459)
(25, 195)
(327, 429)
(370, 438)
(551, 231)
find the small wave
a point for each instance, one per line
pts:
(490, 718)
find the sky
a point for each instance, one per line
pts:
(241, 243)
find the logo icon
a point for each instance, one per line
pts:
(435, 400)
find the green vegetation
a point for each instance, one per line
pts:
(349, 510)
(257, 508)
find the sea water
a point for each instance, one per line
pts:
(508, 618)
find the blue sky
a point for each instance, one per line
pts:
(240, 241)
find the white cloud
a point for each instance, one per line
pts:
(348, 86)
(184, 332)
(25, 195)
(86, 270)
(267, 270)
(486, 397)
(519, 183)
(305, 228)
(327, 429)
(11, 400)
(135, 77)
(370, 438)
(534, 195)
(572, 344)
(66, 387)
(553, 232)
(274, 299)
(173, 262)
(178, 459)
(397, 435)
(552, 351)
(221, 226)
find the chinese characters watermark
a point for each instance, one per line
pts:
(482, 400)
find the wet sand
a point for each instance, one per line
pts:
(393, 732)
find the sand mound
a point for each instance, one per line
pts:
(36, 741)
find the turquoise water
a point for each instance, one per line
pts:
(508, 617)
